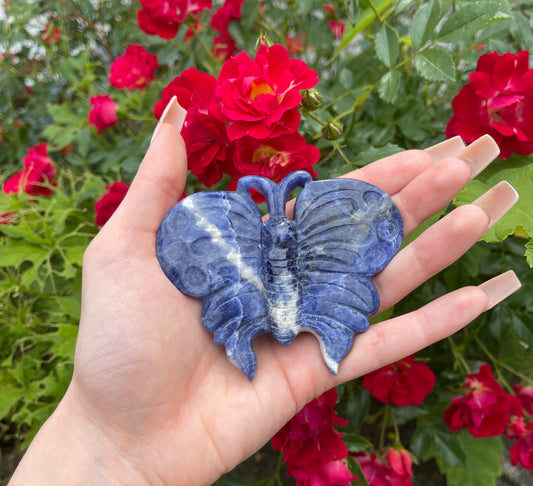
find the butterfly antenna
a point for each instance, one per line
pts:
(295, 179)
(266, 187)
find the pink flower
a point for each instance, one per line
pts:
(312, 448)
(163, 17)
(522, 451)
(485, 409)
(525, 395)
(497, 101)
(38, 170)
(224, 44)
(260, 97)
(109, 202)
(405, 382)
(104, 112)
(133, 70)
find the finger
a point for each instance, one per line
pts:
(159, 182)
(393, 173)
(442, 244)
(392, 340)
(434, 188)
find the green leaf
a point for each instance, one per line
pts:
(9, 396)
(472, 17)
(438, 442)
(521, 30)
(424, 22)
(482, 458)
(356, 470)
(64, 340)
(389, 86)
(14, 252)
(529, 252)
(435, 64)
(249, 13)
(387, 45)
(355, 442)
(520, 217)
(367, 16)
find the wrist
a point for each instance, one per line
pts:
(73, 449)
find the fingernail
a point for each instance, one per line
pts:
(449, 148)
(174, 114)
(497, 201)
(479, 154)
(500, 287)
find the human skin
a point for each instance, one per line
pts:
(153, 401)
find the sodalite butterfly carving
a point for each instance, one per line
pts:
(283, 276)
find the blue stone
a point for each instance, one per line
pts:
(282, 277)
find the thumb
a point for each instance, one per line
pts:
(159, 182)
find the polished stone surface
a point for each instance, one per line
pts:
(283, 276)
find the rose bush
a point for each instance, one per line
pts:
(497, 101)
(271, 87)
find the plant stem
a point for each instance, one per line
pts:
(501, 364)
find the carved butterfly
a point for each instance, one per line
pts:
(282, 277)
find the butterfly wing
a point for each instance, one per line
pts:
(348, 231)
(208, 245)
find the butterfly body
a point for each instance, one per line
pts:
(284, 276)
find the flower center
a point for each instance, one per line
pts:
(259, 88)
(267, 155)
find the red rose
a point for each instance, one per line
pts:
(405, 382)
(334, 473)
(485, 409)
(224, 44)
(522, 451)
(38, 170)
(525, 395)
(497, 101)
(400, 465)
(194, 90)
(133, 70)
(109, 202)
(516, 428)
(208, 148)
(51, 35)
(163, 17)
(275, 157)
(260, 97)
(104, 112)
(209, 151)
(393, 470)
(295, 45)
(310, 444)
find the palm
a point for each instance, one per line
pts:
(146, 367)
